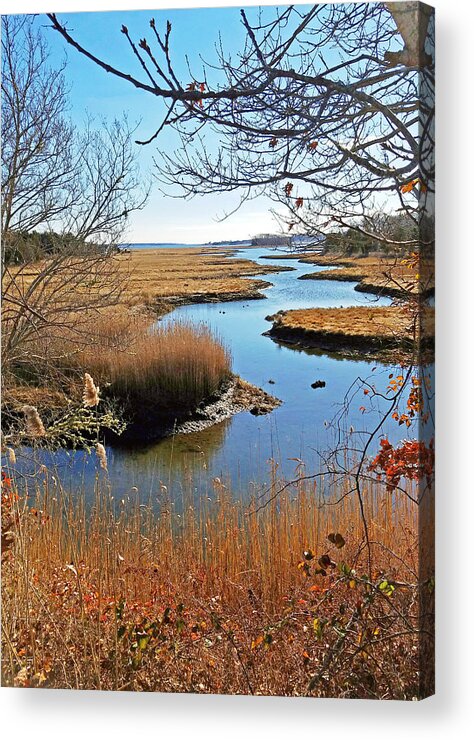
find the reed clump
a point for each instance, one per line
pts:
(175, 365)
(218, 596)
(159, 371)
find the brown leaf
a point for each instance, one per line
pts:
(337, 539)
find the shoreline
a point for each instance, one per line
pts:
(376, 274)
(235, 395)
(353, 333)
(161, 279)
(175, 301)
(337, 338)
(363, 285)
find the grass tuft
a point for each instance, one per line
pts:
(174, 366)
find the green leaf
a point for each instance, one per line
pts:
(143, 641)
(318, 626)
(386, 588)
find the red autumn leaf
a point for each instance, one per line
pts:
(413, 460)
(299, 202)
(288, 188)
(273, 142)
(312, 145)
(202, 86)
(408, 187)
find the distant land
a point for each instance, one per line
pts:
(259, 240)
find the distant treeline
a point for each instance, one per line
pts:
(381, 233)
(263, 240)
(29, 246)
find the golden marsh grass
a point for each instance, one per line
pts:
(216, 597)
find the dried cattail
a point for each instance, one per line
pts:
(90, 395)
(101, 455)
(11, 455)
(34, 425)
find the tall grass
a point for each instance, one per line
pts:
(172, 365)
(217, 598)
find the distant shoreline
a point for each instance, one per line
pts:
(182, 245)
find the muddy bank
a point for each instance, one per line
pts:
(250, 294)
(338, 344)
(362, 284)
(387, 290)
(356, 333)
(149, 425)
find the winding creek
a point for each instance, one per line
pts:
(238, 450)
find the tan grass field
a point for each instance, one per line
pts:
(380, 322)
(189, 275)
(388, 332)
(376, 273)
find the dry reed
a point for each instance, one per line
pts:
(34, 424)
(214, 597)
(174, 365)
(90, 396)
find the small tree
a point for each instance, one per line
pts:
(38, 164)
(75, 189)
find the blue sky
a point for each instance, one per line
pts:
(93, 91)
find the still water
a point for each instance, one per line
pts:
(238, 450)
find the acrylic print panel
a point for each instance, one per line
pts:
(218, 369)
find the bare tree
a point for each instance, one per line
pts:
(48, 305)
(76, 190)
(53, 176)
(38, 165)
(109, 186)
(327, 110)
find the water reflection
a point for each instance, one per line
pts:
(238, 450)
